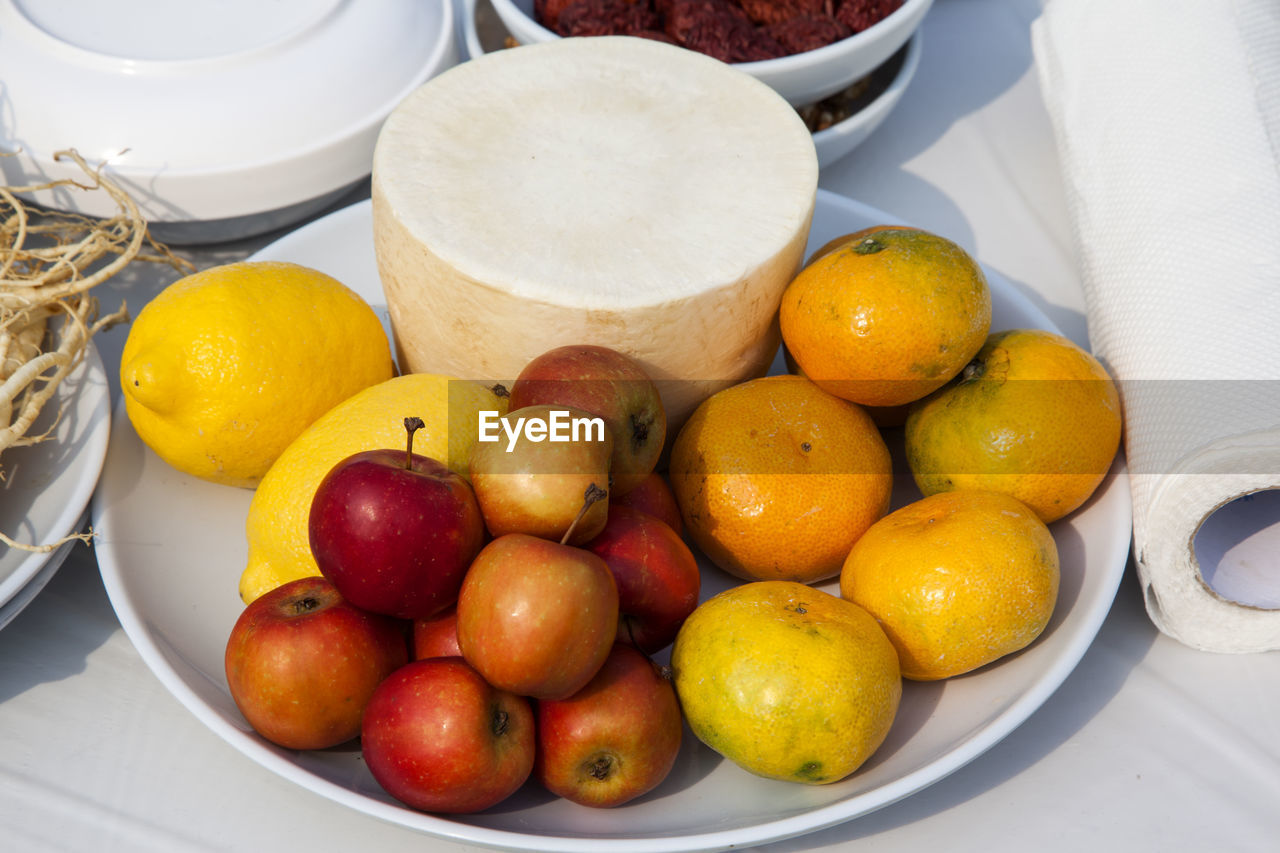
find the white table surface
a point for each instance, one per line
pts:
(1148, 745)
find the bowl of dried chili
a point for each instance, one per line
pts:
(806, 50)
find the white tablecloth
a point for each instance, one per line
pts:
(1147, 746)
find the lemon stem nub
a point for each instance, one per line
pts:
(590, 496)
(411, 425)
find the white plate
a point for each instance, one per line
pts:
(171, 567)
(222, 119)
(47, 486)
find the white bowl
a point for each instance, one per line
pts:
(801, 78)
(483, 32)
(222, 120)
(888, 82)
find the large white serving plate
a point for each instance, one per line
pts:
(46, 487)
(172, 548)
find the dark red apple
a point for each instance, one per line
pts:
(531, 467)
(537, 617)
(439, 738)
(615, 739)
(301, 663)
(654, 496)
(603, 382)
(656, 573)
(436, 636)
(395, 531)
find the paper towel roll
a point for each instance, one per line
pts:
(1167, 118)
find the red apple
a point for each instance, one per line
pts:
(531, 467)
(607, 383)
(301, 663)
(439, 738)
(654, 496)
(537, 617)
(395, 531)
(656, 573)
(436, 636)
(615, 739)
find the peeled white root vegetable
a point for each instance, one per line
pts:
(609, 190)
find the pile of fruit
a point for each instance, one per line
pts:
(480, 583)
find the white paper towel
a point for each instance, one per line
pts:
(1167, 118)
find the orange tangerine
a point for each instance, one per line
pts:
(1033, 415)
(956, 580)
(776, 479)
(787, 681)
(884, 316)
(884, 417)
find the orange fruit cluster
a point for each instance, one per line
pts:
(789, 477)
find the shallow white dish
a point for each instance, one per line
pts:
(171, 567)
(221, 119)
(47, 486)
(890, 81)
(801, 78)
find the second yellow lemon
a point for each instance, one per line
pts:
(225, 367)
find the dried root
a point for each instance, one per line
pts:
(49, 261)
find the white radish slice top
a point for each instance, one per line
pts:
(607, 190)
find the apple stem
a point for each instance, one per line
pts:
(601, 767)
(411, 425)
(305, 605)
(500, 390)
(590, 496)
(500, 722)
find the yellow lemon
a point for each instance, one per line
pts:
(226, 366)
(276, 527)
(787, 681)
(957, 580)
(1033, 415)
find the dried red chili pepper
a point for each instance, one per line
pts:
(719, 29)
(777, 11)
(857, 15)
(547, 12)
(807, 32)
(730, 30)
(606, 17)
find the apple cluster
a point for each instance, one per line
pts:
(475, 632)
